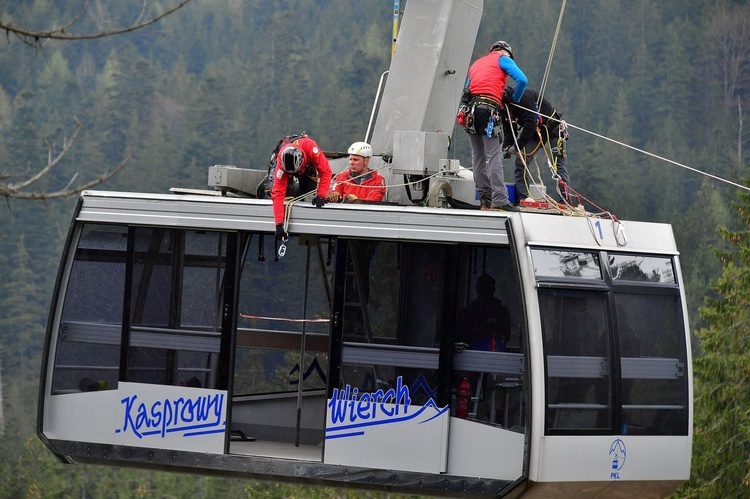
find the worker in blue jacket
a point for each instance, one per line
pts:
(483, 94)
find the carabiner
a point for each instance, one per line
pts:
(620, 235)
(282, 249)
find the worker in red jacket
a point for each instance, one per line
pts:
(299, 157)
(358, 182)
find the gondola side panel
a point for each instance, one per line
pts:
(371, 433)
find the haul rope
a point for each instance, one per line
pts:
(281, 319)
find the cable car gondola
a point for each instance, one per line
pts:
(176, 341)
(180, 338)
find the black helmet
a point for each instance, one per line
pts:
(291, 159)
(508, 93)
(501, 45)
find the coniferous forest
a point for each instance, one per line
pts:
(220, 81)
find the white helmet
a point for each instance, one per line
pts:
(361, 149)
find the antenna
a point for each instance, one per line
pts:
(395, 27)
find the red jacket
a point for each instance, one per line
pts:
(313, 162)
(486, 78)
(368, 187)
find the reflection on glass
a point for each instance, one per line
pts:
(272, 293)
(489, 335)
(175, 285)
(641, 268)
(576, 340)
(88, 349)
(279, 302)
(556, 263)
(653, 350)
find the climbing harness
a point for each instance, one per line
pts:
(467, 112)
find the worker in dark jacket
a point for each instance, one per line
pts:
(537, 130)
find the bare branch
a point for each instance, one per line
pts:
(15, 191)
(50, 164)
(67, 191)
(77, 17)
(37, 39)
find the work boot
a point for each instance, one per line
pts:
(506, 207)
(485, 201)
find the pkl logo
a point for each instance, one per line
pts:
(618, 454)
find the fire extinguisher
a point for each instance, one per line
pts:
(463, 397)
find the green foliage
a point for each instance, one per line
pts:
(24, 311)
(220, 82)
(722, 374)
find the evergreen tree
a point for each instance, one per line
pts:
(221, 82)
(25, 144)
(696, 230)
(111, 110)
(24, 313)
(722, 423)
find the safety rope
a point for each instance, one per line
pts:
(350, 179)
(288, 204)
(522, 157)
(565, 208)
(388, 166)
(543, 86)
(681, 165)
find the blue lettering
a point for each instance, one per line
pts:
(176, 413)
(349, 404)
(352, 417)
(387, 396)
(215, 403)
(128, 418)
(188, 410)
(141, 418)
(202, 411)
(156, 414)
(402, 395)
(364, 406)
(167, 419)
(376, 397)
(187, 416)
(338, 409)
(351, 411)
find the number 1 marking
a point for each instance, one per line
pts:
(599, 226)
